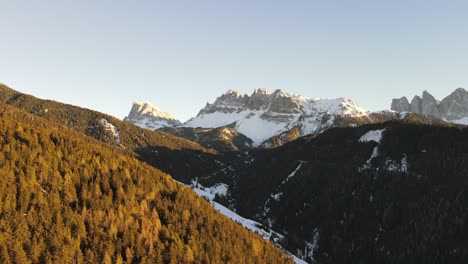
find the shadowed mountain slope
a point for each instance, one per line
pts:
(384, 193)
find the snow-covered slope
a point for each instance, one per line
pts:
(147, 116)
(263, 115)
(221, 189)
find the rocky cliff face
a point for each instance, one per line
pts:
(148, 116)
(416, 105)
(401, 104)
(453, 108)
(233, 101)
(430, 105)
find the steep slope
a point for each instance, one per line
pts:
(383, 193)
(147, 116)
(66, 198)
(263, 115)
(93, 123)
(453, 108)
(162, 150)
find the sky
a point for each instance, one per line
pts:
(179, 55)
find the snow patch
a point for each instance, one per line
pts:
(151, 123)
(367, 165)
(462, 121)
(373, 135)
(109, 127)
(219, 189)
(249, 123)
(298, 260)
(310, 246)
(376, 136)
(292, 174)
(402, 166)
(276, 196)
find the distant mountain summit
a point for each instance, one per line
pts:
(146, 115)
(269, 120)
(263, 115)
(453, 108)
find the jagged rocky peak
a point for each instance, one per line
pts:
(401, 104)
(460, 92)
(260, 99)
(452, 108)
(455, 106)
(416, 104)
(145, 115)
(430, 105)
(284, 103)
(230, 98)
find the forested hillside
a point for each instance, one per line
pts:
(66, 198)
(91, 122)
(179, 157)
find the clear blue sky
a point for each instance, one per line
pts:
(181, 54)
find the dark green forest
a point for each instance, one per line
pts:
(407, 204)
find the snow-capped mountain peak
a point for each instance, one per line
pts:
(263, 115)
(148, 116)
(145, 108)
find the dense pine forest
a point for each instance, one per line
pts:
(89, 122)
(179, 157)
(67, 198)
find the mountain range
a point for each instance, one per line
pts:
(262, 115)
(269, 120)
(382, 187)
